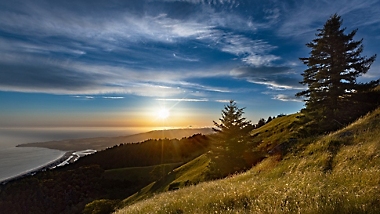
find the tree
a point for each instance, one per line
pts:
(260, 123)
(233, 128)
(232, 139)
(269, 119)
(334, 63)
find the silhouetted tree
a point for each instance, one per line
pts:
(233, 128)
(334, 63)
(232, 137)
(260, 123)
(269, 119)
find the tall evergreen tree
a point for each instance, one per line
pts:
(334, 63)
(231, 141)
(233, 128)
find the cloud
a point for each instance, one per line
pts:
(304, 17)
(182, 100)
(231, 3)
(184, 58)
(84, 97)
(253, 52)
(36, 74)
(287, 98)
(113, 98)
(222, 101)
(277, 78)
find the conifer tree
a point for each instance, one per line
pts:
(233, 128)
(260, 123)
(334, 63)
(231, 141)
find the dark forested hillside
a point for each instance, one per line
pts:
(147, 153)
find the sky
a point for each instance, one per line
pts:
(119, 63)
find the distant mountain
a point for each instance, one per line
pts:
(101, 143)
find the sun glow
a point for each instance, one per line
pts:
(163, 113)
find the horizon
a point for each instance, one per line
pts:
(162, 63)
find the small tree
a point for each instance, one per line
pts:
(269, 119)
(334, 64)
(260, 123)
(232, 138)
(233, 127)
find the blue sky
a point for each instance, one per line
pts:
(114, 63)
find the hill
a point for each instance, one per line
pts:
(334, 173)
(101, 143)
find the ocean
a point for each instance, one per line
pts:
(15, 161)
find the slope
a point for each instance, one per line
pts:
(335, 173)
(188, 174)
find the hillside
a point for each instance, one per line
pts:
(334, 173)
(188, 174)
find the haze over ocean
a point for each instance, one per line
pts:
(15, 161)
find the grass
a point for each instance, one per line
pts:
(190, 173)
(137, 173)
(336, 173)
(277, 131)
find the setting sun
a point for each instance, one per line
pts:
(163, 113)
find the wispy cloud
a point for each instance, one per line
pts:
(84, 97)
(182, 100)
(303, 17)
(287, 98)
(113, 98)
(222, 101)
(277, 78)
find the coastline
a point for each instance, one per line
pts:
(37, 169)
(64, 159)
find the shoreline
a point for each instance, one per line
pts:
(37, 169)
(65, 159)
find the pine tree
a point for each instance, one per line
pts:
(232, 140)
(233, 128)
(260, 123)
(334, 64)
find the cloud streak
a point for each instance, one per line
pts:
(182, 100)
(276, 78)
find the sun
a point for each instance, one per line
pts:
(163, 113)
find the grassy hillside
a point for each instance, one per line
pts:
(277, 131)
(190, 173)
(135, 174)
(336, 173)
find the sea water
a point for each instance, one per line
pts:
(15, 161)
